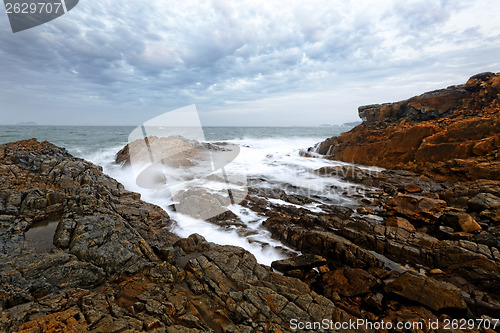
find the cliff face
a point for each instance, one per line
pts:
(453, 132)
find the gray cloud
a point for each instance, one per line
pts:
(111, 59)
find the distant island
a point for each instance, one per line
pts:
(352, 124)
(27, 123)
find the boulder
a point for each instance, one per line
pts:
(452, 133)
(483, 201)
(399, 222)
(416, 208)
(460, 221)
(434, 294)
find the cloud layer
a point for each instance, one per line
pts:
(241, 62)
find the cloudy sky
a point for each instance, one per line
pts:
(267, 63)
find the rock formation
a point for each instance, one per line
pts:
(453, 132)
(80, 253)
(113, 266)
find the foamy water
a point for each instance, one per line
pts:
(277, 160)
(271, 154)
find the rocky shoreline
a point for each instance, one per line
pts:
(450, 134)
(412, 246)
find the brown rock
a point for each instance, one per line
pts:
(484, 201)
(434, 294)
(117, 268)
(365, 210)
(302, 262)
(450, 133)
(348, 282)
(460, 221)
(436, 271)
(491, 214)
(71, 320)
(399, 222)
(413, 188)
(416, 208)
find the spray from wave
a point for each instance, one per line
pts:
(276, 161)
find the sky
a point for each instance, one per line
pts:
(242, 63)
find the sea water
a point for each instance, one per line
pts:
(268, 153)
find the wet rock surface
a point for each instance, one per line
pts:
(423, 240)
(114, 265)
(424, 253)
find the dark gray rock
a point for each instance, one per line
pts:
(483, 201)
(302, 262)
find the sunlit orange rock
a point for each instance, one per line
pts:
(452, 132)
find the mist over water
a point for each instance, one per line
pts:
(266, 153)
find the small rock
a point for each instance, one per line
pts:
(492, 214)
(416, 208)
(348, 282)
(434, 294)
(374, 302)
(365, 210)
(436, 271)
(484, 201)
(302, 262)
(412, 188)
(460, 221)
(399, 222)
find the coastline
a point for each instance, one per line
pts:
(411, 247)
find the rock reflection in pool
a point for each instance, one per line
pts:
(41, 235)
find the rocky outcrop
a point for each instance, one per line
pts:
(111, 265)
(453, 133)
(79, 252)
(409, 241)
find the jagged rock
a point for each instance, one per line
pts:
(417, 208)
(375, 302)
(326, 244)
(302, 262)
(348, 282)
(453, 133)
(460, 221)
(491, 214)
(483, 201)
(399, 222)
(436, 271)
(115, 267)
(437, 295)
(365, 210)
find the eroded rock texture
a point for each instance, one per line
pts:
(453, 132)
(111, 264)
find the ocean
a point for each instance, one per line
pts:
(269, 153)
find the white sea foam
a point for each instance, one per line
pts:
(275, 159)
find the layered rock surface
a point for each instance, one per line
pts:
(453, 132)
(113, 266)
(80, 253)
